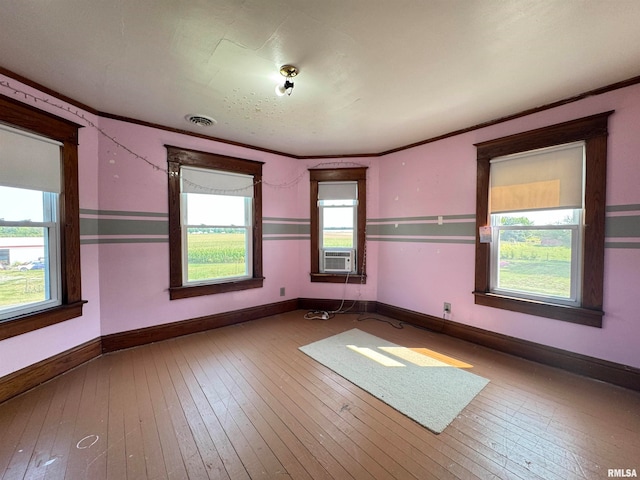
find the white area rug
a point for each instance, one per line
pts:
(423, 388)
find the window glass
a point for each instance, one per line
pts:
(19, 204)
(29, 279)
(337, 202)
(216, 255)
(537, 254)
(217, 228)
(217, 243)
(214, 210)
(338, 226)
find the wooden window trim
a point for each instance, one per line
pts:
(593, 131)
(28, 118)
(176, 157)
(357, 174)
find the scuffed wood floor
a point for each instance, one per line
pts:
(243, 402)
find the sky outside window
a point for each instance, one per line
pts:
(18, 204)
(204, 209)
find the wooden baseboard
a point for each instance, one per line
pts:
(142, 336)
(350, 306)
(615, 373)
(415, 318)
(25, 379)
(33, 375)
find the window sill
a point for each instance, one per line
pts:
(579, 315)
(176, 293)
(34, 321)
(338, 278)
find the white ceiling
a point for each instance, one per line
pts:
(375, 75)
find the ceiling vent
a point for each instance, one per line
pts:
(201, 120)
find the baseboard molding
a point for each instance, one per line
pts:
(610, 372)
(350, 306)
(142, 336)
(25, 379)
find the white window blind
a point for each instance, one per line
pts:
(29, 161)
(203, 181)
(337, 191)
(536, 180)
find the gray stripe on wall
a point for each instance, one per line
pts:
(380, 229)
(92, 241)
(105, 226)
(462, 229)
(623, 208)
(88, 226)
(622, 245)
(421, 240)
(432, 218)
(285, 228)
(282, 219)
(122, 213)
(626, 226)
(295, 237)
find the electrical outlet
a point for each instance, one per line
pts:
(282, 291)
(446, 308)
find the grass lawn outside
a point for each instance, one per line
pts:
(533, 268)
(17, 288)
(550, 278)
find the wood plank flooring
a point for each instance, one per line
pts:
(242, 402)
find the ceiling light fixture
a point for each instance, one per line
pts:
(287, 71)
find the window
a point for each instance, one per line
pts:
(338, 219)
(215, 223)
(28, 225)
(535, 202)
(337, 203)
(39, 220)
(542, 195)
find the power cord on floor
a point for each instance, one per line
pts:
(318, 315)
(328, 315)
(400, 324)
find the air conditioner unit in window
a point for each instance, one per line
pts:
(338, 261)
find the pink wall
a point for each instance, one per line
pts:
(440, 179)
(126, 283)
(134, 277)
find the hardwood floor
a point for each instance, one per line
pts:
(242, 402)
